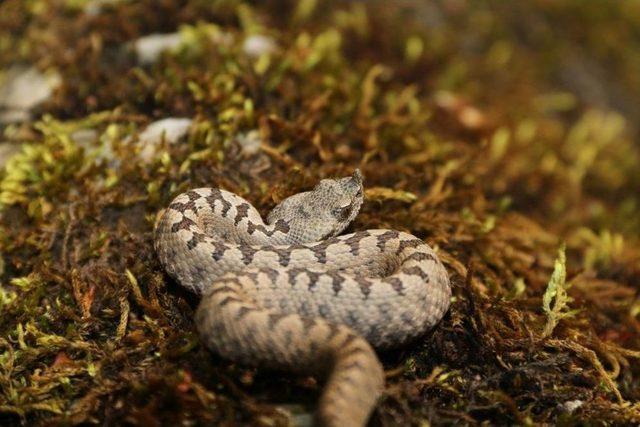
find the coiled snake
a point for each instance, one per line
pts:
(291, 294)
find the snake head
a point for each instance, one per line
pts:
(323, 212)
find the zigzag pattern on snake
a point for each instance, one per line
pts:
(292, 294)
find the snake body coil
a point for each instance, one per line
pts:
(291, 294)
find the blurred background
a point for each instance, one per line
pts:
(555, 82)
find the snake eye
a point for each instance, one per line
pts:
(342, 213)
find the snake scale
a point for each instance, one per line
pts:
(292, 294)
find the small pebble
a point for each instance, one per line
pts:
(250, 142)
(149, 48)
(258, 45)
(172, 129)
(21, 89)
(570, 406)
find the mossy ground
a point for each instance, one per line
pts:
(496, 131)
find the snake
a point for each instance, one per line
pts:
(292, 294)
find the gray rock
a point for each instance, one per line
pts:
(246, 151)
(149, 48)
(257, 45)
(21, 89)
(569, 406)
(171, 129)
(250, 142)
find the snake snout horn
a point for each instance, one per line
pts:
(356, 177)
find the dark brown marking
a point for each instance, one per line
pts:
(395, 283)
(228, 300)
(280, 225)
(354, 318)
(184, 224)
(288, 338)
(190, 205)
(305, 308)
(242, 212)
(420, 256)
(293, 275)
(219, 250)
(374, 334)
(308, 323)
(198, 272)
(416, 271)
(313, 279)
(192, 195)
(253, 275)
(284, 255)
(333, 331)
(365, 286)
(248, 252)
(233, 280)
(354, 243)
(216, 195)
(324, 310)
(349, 340)
(385, 237)
(195, 239)
(337, 281)
(328, 235)
(243, 311)
(274, 318)
(303, 213)
(271, 273)
(320, 250)
(407, 318)
(183, 207)
(220, 290)
(353, 351)
(404, 244)
(170, 253)
(251, 330)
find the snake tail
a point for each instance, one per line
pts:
(236, 331)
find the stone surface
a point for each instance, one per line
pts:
(171, 130)
(257, 45)
(149, 48)
(21, 89)
(250, 142)
(570, 406)
(245, 149)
